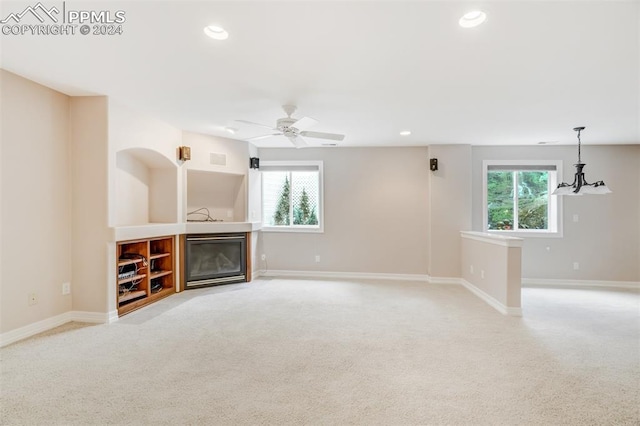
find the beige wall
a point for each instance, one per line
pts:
(450, 195)
(605, 240)
(132, 190)
(93, 257)
(376, 206)
(222, 194)
(36, 201)
(254, 189)
(148, 143)
(220, 188)
(202, 146)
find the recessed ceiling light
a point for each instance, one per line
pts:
(231, 130)
(472, 19)
(547, 142)
(215, 32)
(405, 133)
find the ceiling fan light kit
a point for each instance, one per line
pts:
(293, 129)
(580, 185)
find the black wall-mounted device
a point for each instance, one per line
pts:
(254, 163)
(433, 164)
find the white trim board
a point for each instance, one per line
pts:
(345, 275)
(545, 282)
(526, 282)
(445, 280)
(491, 301)
(47, 324)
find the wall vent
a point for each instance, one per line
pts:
(218, 159)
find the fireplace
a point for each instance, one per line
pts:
(213, 259)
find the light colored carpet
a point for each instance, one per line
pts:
(337, 352)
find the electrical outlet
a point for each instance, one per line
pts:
(576, 266)
(33, 299)
(66, 288)
(229, 213)
(471, 269)
(263, 257)
(482, 274)
(576, 218)
(317, 258)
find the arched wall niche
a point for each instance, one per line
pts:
(146, 189)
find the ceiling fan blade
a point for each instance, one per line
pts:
(321, 135)
(304, 123)
(255, 138)
(299, 142)
(255, 124)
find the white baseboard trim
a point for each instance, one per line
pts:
(491, 301)
(112, 316)
(21, 333)
(345, 275)
(445, 280)
(544, 282)
(91, 317)
(32, 329)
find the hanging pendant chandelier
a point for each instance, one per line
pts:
(580, 185)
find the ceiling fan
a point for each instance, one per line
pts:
(294, 129)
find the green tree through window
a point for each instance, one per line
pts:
(291, 198)
(518, 199)
(303, 214)
(281, 216)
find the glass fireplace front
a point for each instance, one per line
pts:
(215, 259)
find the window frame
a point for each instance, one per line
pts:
(295, 228)
(555, 215)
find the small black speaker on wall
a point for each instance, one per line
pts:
(433, 164)
(254, 163)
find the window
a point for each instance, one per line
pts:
(518, 200)
(292, 196)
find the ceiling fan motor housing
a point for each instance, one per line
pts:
(283, 124)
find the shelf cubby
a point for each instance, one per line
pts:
(145, 272)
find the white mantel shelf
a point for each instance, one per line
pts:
(152, 230)
(218, 227)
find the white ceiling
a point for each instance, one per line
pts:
(530, 73)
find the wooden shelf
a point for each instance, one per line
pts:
(161, 294)
(160, 254)
(131, 295)
(129, 262)
(133, 278)
(158, 274)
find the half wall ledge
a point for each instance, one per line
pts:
(492, 269)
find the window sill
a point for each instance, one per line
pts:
(290, 229)
(527, 234)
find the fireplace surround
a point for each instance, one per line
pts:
(214, 259)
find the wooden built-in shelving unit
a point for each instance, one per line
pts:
(145, 272)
